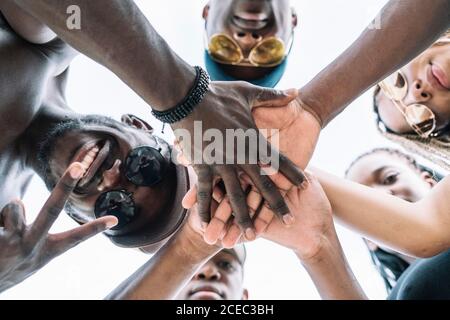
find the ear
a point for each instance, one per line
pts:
(294, 18)
(245, 295)
(428, 178)
(136, 122)
(205, 12)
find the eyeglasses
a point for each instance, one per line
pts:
(145, 167)
(421, 118)
(270, 52)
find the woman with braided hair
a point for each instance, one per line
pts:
(413, 104)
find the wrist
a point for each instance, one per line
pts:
(184, 77)
(311, 110)
(191, 101)
(192, 247)
(327, 244)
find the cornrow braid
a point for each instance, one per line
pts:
(394, 152)
(437, 176)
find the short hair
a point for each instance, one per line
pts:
(411, 161)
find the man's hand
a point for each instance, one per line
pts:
(25, 249)
(298, 133)
(229, 106)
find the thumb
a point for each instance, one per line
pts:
(190, 199)
(274, 98)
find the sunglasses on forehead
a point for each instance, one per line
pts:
(269, 52)
(419, 117)
(143, 167)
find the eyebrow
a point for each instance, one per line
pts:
(230, 254)
(378, 171)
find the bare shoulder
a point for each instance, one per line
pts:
(35, 34)
(24, 73)
(24, 24)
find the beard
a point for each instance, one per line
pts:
(59, 130)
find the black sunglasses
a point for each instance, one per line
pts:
(144, 167)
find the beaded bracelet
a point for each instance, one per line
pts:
(184, 108)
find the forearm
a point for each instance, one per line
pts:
(331, 274)
(411, 228)
(167, 272)
(408, 27)
(116, 34)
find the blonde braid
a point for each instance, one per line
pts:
(436, 150)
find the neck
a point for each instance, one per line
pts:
(38, 131)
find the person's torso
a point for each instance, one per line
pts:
(28, 76)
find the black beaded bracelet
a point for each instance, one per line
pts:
(184, 108)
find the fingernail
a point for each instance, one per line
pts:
(76, 172)
(291, 92)
(112, 223)
(209, 241)
(250, 234)
(288, 219)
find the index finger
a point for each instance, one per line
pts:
(238, 201)
(55, 203)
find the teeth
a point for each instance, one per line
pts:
(89, 158)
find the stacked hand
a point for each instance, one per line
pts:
(297, 135)
(24, 249)
(233, 103)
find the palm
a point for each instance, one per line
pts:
(298, 130)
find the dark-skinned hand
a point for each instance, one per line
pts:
(233, 103)
(24, 249)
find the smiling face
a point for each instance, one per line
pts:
(221, 278)
(248, 22)
(428, 81)
(102, 145)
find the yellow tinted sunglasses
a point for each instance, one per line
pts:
(270, 52)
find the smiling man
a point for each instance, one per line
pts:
(221, 278)
(128, 172)
(248, 39)
(125, 178)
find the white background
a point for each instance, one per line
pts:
(326, 28)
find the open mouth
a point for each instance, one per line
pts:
(95, 157)
(251, 21)
(207, 292)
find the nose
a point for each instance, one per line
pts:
(247, 40)
(419, 92)
(111, 177)
(386, 189)
(208, 272)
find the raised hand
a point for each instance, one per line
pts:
(25, 249)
